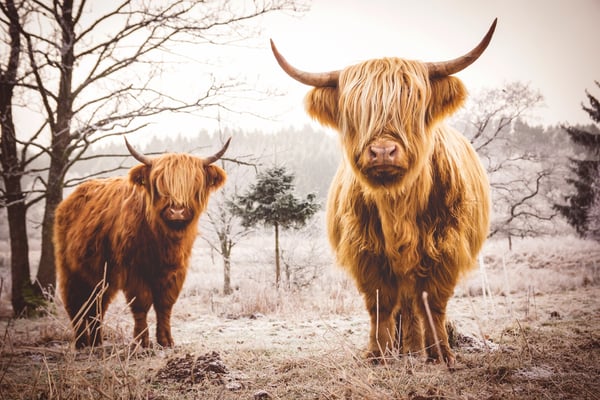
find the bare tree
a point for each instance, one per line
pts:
(518, 177)
(225, 232)
(492, 113)
(94, 72)
(304, 260)
(225, 229)
(12, 168)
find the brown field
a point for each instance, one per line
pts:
(526, 326)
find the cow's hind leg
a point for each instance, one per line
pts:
(102, 296)
(76, 293)
(85, 305)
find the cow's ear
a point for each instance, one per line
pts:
(138, 175)
(322, 105)
(447, 95)
(215, 177)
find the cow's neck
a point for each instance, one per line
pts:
(174, 248)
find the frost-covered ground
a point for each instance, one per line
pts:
(535, 305)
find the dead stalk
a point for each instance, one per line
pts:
(430, 319)
(377, 326)
(477, 321)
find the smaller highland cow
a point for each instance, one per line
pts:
(133, 234)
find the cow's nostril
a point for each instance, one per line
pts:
(391, 151)
(372, 153)
(376, 152)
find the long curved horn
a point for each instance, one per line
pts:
(144, 159)
(218, 154)
(445, 68)
(317, 79)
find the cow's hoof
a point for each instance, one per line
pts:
(375, 357)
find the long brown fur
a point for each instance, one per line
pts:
(109, 236)
(424, 230)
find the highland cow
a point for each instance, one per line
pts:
(408, 209)
(133, 234)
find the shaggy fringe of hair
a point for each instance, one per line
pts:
(387, 97)
(176, 177)
(383, 96)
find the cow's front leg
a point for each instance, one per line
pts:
(165, 295)
(382, 334)
(163, 326)
(411, 322)
(139, 304)
(379, 288)
(436, 299)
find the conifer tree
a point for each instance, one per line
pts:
(271, 202)
(578, 209)
(594, 211)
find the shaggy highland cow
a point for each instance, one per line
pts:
(133, 234)
(408, 209)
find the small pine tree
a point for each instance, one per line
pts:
(271, 202)
(578, 207)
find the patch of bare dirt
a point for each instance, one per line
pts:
(189, 370)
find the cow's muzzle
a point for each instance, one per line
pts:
(177, 217)
(383, 162)
(383, 153)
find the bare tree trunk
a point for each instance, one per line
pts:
(22, 290)
(277, 262)
(227, 276)
(46, 276)
(61, 133)
(288, 275)
(226, 253)
(12, 171)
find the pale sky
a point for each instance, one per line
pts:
(552, 44)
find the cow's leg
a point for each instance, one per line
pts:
(103, 295)
(379, 288)
(411, 322)
(437, 299)
(139, 303)
(78, 297)
(163, 325)
(165, 295)
(86, 304)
